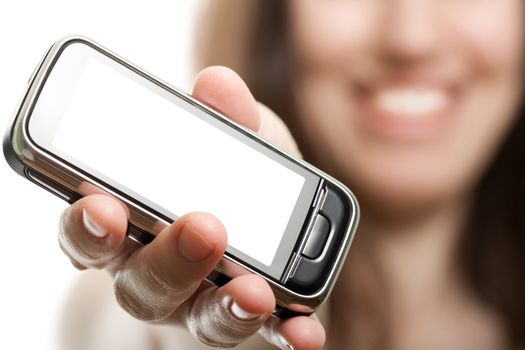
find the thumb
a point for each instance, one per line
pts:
(221, 88)
(273, 129)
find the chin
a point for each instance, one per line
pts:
(395, 192)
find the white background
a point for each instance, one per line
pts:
(35, 275)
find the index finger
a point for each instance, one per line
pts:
(92, 231)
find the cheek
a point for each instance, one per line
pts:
(491, 31)
(483, 38)
(488, 38)
(377, 170)
(402, 175)
(325, 32)
(413, 174)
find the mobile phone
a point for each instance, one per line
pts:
(91, 121)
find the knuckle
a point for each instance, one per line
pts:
(77, 265)
(130, 299)
(80, 258)
(269, 331)
(67, 244)
(147, 296)
(79, 248)
(63, 229)
(211, 322)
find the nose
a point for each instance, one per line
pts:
(410, 29)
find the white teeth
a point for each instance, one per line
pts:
(410, 102)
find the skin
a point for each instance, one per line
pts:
(413, 176)
(158, 282)
(400, 286)
(472, 52)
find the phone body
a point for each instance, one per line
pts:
(91, 122)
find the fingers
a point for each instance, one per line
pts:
(226, 316)
(273, 129)
(222, 89)
(156, 279)
(92, 231)
(298, 333)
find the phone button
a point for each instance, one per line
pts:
(317, 238)
(311, 275)
(51, 186)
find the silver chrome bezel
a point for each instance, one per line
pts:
(32, 157)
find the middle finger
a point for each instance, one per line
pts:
(157, 278)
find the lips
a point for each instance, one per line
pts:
(406, 110)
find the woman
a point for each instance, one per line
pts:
(417, 105)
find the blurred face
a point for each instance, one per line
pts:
(407, 100)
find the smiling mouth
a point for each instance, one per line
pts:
(406, 110)
(410, 103)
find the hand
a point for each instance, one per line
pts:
(162, 281)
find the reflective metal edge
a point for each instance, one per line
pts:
(31, 156)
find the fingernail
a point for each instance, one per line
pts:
(240, 313)
(192, 245)
(92, 226)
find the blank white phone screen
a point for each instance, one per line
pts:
(148, 143)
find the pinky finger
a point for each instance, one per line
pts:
(227, 316)
(297, 333)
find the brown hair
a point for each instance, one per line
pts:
(252, 38)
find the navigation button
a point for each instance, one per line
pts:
(318, 237)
